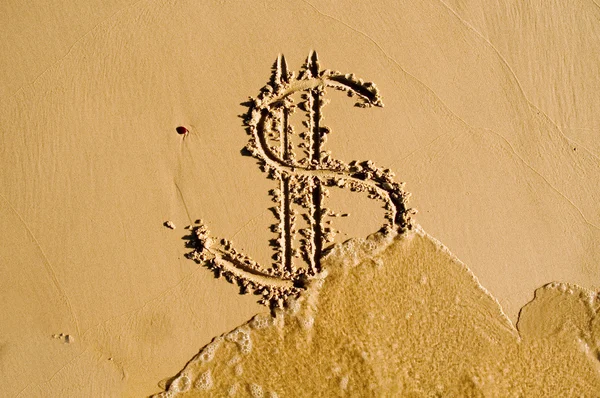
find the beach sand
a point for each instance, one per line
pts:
(403, 317)
(490, 119)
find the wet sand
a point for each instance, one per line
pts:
(403, 317)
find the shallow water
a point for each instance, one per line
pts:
(403, 317)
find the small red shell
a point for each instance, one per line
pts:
(181, 130)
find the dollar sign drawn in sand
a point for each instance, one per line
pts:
(304, 170)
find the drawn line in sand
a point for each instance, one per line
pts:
(304, 170)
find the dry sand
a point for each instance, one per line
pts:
(490, 118)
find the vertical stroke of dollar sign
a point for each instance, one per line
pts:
(304, 170)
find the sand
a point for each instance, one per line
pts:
(489, 119)
(420, 326)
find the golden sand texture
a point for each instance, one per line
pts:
(403, 317)
(491, 119)
(305, 173)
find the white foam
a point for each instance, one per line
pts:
(261, 321)
(239, 369)
(256, 391)
(180, 384)
(306, 322)
(204, 382)
(241, 336)
(234, 361)
(208, 353)
(344, 382)
(233, 389)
